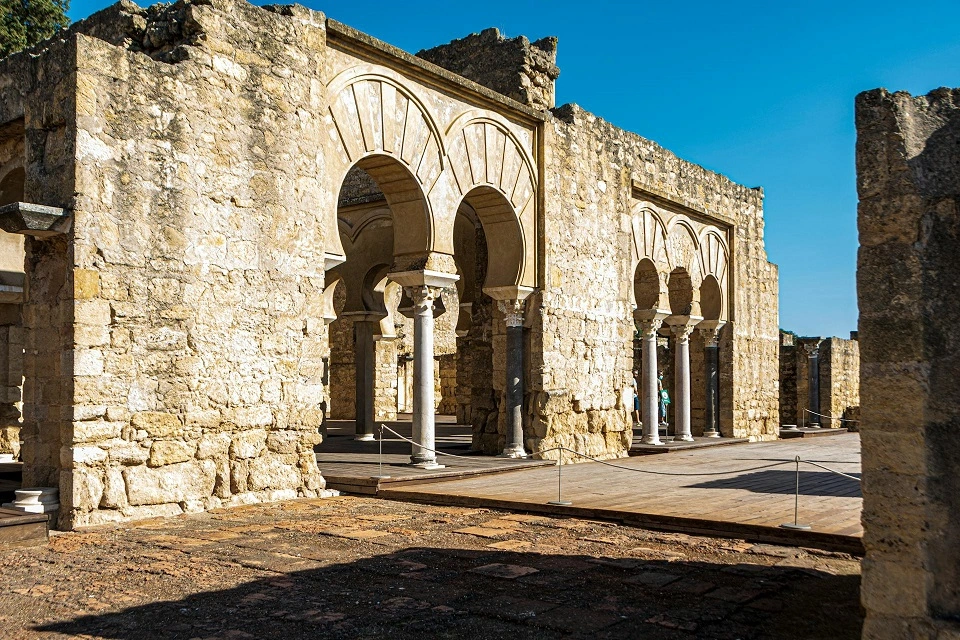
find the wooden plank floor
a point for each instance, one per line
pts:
(675, 488)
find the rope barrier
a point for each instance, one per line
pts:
(565, 503)
(828, 416)
(623, 468)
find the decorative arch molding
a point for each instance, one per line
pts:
(375, 113)
(375, 215)
(491, 170)
(682, 246)
(649, 238)
(713, 259)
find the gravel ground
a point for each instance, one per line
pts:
(354, 567)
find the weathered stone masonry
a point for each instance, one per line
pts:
(176, 330)
(908, 274)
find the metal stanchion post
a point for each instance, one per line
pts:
(560, 501)
(796, 506)
(380, 441)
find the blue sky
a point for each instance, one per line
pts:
(759, 91)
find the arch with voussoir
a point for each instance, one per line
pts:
(493, 173)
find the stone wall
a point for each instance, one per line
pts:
(447, 397)
(195, 272)
(516, 68)
(583, 321)
(908, 270)
(839, 380)
(788, 378)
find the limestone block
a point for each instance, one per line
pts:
(213, 445)
(283, 441)
(87, 489)
(273, 471)
(248, 444)
(96, 430)
(164, 452)
(157, 424)
(128, 453)
(114, 490)
(170, 483)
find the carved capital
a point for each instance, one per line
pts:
(512, 312)
(711, 336)
(423, 298)
(812, 349)
(681, 332)
(648, 328)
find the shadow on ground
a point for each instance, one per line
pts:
(812, 483)
(462, 593)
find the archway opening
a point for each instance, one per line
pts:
(646, 285)
(711, 298)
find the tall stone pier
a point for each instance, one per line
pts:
(908, 281)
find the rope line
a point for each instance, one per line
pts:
(829, 416)
(619, 466)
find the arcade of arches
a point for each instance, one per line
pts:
(294, 223)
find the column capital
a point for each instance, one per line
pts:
(682, 326)
(710, 330)
(649, 328)
(423, 297)
(812, 349)
(512, 311)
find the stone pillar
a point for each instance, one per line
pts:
(681, 332)
(424, 419)
(513, 315)
(365, 366)
(711, 339)
(813, 383)
(423, 288)
(648, 392)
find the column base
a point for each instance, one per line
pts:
(683, 438)
(711, 434)
(513, 452)
(427, 465)
(650, 440)
(365, 437)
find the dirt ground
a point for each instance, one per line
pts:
(353, 567)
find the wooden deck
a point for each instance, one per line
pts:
(18, 529)
(355, 467)
(739, 500)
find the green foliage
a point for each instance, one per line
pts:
(24, 23)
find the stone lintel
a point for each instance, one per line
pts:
(424, 278)
(513, 292)
(34, 219)
(711, 325)
(649, 315)
(682, 321)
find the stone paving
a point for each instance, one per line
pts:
(354, 567)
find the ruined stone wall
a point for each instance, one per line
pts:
(386, 381)
(198, 261)
(839, 380)
(788, 378)
(516, 68)
(12, 160)
(448, 385)
(908, 270)
(37, 103)
(584, 318)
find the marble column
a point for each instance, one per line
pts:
(813, 383)
(710, 330)
(365, 364)
(681, 400)
(513, 315)
(648, 393)
(424, 405)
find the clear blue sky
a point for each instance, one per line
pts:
(759, 91)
